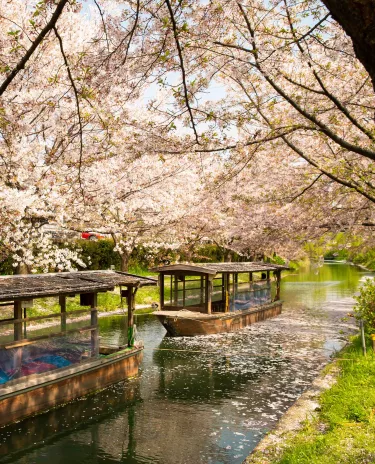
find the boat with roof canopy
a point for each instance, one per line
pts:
(210, 298)
(50, 359)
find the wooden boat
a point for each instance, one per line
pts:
(40, 392)
(63, 421)
(40, 370)
(211, 298)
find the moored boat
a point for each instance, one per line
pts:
(44, 364)
(210, 298)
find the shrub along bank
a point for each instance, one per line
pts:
(343, 428)
(102, 255)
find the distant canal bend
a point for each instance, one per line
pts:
(200, 400)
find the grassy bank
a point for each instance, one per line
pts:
(343, 429)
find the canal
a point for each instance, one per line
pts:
(201, 400)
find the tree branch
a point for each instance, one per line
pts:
(324, 128)
(21, 64)
(76, 96)
(326, 92)
(183, 72)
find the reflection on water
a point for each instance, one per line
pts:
(199, 400)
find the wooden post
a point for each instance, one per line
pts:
(94, 322)
(278, 280)
(235, 285)
(175, 290)
(62, 303)
(161, 285)
(171, 289)
(17, 314)
(208, 294)
(131, 298)
(202, 290)
(25, 323)
(223, 286)
(226, 293)
(183, 291)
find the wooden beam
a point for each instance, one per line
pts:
(226, 294)
(131, 307)
(62, 303)
(161, 284)
(278, 282)
(175, 290)
(94, 323)
(208, 295)
(17, 311)
(17, 330)
(183, 291)
(47, 316)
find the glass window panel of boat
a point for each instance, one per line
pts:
(243, 282)
(167, 288)
(217, 288)
(45, 326)
(192, 291)
(44, 356)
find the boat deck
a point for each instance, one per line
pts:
(185, 313)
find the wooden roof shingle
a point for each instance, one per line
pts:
(214, 268)
(63, 283)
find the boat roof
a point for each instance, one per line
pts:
(52, 284)
(215, 268)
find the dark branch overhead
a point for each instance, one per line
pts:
(65, 283)
(214, 268)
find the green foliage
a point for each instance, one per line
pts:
(6, 266)
(315, 250)
(365, 307)
(209, 253)
(365, 258)
(98, 254)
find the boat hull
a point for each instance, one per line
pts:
(38, 393)
(178, 326)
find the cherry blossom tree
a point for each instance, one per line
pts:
(290, 147)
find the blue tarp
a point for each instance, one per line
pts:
(58, 361)
(3, 377)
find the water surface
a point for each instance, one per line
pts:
(203, 399)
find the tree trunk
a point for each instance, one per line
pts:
(124, 262)
(228, 256)
(21, 269)
(357, 18)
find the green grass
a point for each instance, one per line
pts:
(106, 302)
(344, 429)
